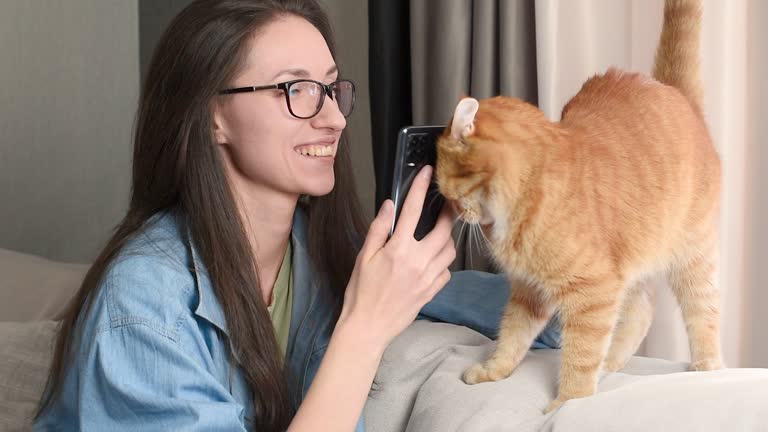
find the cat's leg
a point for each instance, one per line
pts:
(524, 318)
(588, 312)
(699, 301)
(634, 320)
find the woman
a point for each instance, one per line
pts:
(236, 294)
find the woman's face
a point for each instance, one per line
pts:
(264, 146)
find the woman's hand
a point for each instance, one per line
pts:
(390, 283)
(392, 280)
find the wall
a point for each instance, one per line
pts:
(68, 90)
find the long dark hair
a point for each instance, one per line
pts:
(176, 166)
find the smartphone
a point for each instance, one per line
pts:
(416, 147)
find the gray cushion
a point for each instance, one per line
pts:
(24, 363)
(33, 288)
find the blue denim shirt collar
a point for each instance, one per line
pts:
(209, 307)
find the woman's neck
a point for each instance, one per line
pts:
(268, 219)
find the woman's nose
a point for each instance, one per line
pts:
(330, 116)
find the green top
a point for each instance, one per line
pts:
(282, 298)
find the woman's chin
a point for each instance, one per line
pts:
(319, 189)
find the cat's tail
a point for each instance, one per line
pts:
(677, 56)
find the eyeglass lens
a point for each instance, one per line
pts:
(306, 97)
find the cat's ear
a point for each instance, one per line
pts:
(464, 118)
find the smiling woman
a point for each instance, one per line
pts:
(240, 291)
(261, 132)
(199, 159)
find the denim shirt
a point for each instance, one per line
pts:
(153, 355)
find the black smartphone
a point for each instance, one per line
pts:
(416, 147)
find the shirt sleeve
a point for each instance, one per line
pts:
(477, 300)
(135, 378)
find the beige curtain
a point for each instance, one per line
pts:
(755, 348)
(578, 38)
(478, 48)
(543, 51)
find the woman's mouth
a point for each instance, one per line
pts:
(315, 150)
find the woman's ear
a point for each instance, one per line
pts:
(218, 125)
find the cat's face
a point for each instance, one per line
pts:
(464, 166)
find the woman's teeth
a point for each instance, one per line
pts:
(316, 150)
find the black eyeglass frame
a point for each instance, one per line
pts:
(285, 87)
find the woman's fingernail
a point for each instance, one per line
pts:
(427, 171)
(386, 208)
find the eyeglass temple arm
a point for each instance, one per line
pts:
(249, 89)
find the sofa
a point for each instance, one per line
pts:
(33, 291)
(418, 385)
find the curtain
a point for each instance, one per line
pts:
(389, 72)
(755, 351)
(576, 39)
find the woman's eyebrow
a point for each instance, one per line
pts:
(303, 73)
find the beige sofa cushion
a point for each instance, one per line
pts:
(26, 355)
(33, 288)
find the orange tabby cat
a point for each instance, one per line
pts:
(626, 185)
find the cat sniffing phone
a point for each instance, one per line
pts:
(586, 209)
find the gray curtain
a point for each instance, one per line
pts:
(478, 48)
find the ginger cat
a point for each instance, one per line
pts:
(626, 185)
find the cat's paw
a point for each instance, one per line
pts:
(613, 365)
(707, 364)
(555, 404)
(476, 374)
(481, 373)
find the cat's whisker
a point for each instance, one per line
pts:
(463, 225)
(471, 244)
(482, 240)
(479, 240)
(461, 231)
(485, 237)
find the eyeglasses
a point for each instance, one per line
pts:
(305, 97)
